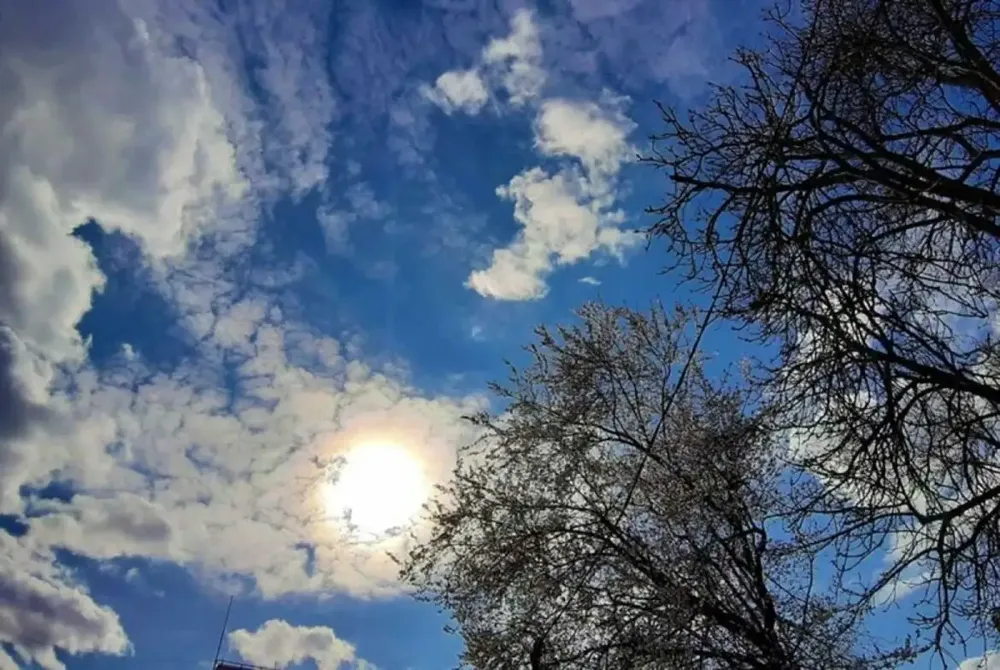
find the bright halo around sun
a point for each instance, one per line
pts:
(380, 488)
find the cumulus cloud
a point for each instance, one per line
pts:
(280, 644)
(567, 216)
(42, 610)
(512, 63)
(122, 525)
(98, 124)
(18, 410)
(460, 90)
(221, 463)
(233, 452)
(562, 223)
(103, 119)
(596, 135)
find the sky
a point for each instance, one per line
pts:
(257, 259)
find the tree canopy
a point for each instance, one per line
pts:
(616, 515)
(842, 202)
(838, 201)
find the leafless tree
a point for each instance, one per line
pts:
(617, 514)
(841, 200)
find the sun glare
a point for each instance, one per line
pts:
(381, 486)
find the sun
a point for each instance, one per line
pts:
(380, 487)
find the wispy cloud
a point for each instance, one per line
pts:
(517, 59)
(104, 119)
(267, 71)
(359, 206)
(672, 42)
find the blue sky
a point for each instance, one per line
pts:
(239, 239)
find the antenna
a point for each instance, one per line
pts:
(222, 635)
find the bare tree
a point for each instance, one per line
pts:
(617, 515)
(842, 202)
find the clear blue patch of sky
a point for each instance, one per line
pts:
(130, 309)
(173, 621)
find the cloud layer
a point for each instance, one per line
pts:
(238, 468)
(98, 124)
(103, 121)
(182, 129)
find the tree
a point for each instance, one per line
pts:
(616, 515)
(841, 202)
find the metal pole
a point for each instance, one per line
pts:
(222, 636)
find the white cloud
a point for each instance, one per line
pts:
(567, 216)
(42, 610)
(677, 42)
(219, 464)
(123, 525)
(512, 63)
(98, 123)
(562, 224)
(301, 107)
(462, 90)
(591, 281)
(596, 135)
(232, 459)
(517, 59)
(988, 661)
(280, 644)
(284, 136)
(336, 226)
